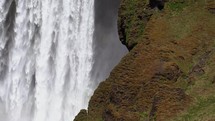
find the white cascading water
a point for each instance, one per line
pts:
(45, 59)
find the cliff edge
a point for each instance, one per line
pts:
(169, 73)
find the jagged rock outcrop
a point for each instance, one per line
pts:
(169, 71)
(133, 15)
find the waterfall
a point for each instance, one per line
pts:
(46, 56)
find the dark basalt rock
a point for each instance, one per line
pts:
(211, 6)
(157, 3)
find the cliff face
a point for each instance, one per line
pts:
(169, 73)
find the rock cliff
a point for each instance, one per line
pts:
(169, 73)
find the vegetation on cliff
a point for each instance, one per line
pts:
(169, 73)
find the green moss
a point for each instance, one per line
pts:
(176, 6)
(185, 66)
(135, 15)
(182, 83)
(202, 91)
(181, 27)
(204, 109)
(144, 116)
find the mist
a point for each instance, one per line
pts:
(108, 50)
(53, 55)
